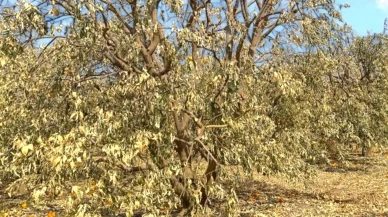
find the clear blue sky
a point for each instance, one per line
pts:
(365, 15)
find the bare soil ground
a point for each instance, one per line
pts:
(357, 188)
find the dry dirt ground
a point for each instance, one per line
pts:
(357, 188)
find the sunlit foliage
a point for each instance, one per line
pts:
(144, 105)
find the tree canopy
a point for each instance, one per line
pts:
(154, 101)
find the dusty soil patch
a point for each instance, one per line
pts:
(358, 188)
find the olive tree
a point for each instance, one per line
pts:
(178, 90)
(369, 112)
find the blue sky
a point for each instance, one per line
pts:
(365, 15)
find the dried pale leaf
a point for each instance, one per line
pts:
(27, 148)
(56, 160)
